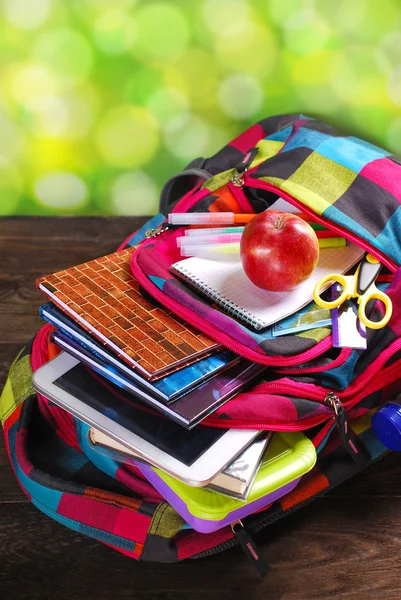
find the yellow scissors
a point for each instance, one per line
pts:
(361, 286)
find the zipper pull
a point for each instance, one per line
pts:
(237, 179)
(348, 439)
(249, 547)
(152, 233)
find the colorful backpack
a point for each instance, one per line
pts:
(350, 186)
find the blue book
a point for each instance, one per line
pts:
(167, 389)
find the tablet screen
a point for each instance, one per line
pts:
(111, 401)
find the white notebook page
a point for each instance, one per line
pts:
(225, 282)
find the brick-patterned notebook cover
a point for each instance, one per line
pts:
(103, 297)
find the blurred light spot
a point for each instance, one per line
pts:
(187, 137)
(57, 154)
(79, 117)
(134, 193)
(371, 121)
(281, 10)
(163, 32)
(49, 115)
(61, 190)
(334, 14)
(254, 51)
(393, 136)
(345, 83)
(226, 17)
(10, 187)
(114, 31)
(316, 99)
(356, 91)
(379, 18)
(66, 52)
(141, 84)
(305, 32)
(12, 140)
(196, 73)
(60, 116)
(219, 137)
(394, 85)
(127, 136)
(30, 81)
(167, 103)
(388, 52)
(315, 68)
(240, 96)
(27, 14)
(101, 5)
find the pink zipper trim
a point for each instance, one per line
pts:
(241, 198)
(340, 360)
(257, 183)
(360, 390)
(190, 199)
(190, 317)
(38, 347)
(352, 389)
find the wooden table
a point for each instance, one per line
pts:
(345, 545)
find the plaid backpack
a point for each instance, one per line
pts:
(352, 187)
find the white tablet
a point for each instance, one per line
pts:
(194, 457)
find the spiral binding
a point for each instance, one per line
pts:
(231, 307)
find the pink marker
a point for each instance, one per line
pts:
(224, 238)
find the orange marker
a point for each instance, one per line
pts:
(209, 218)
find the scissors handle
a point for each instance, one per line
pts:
(321, 286)
(374, 294)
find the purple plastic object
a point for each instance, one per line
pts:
(204, 525)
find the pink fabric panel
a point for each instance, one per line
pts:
(386, 174)
(248, 138)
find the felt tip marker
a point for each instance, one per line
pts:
(209, 218)
(211, 250)
(333, 242)
(224, 238)
(204, 231)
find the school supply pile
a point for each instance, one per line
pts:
(189, 409)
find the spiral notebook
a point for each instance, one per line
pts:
(225, 283)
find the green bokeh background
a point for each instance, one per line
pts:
(101, 101)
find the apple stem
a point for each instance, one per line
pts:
(279, 222)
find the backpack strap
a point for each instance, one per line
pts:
(201, 169)
(177, 186)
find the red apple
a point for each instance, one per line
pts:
(278, 250)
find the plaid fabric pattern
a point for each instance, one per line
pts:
(65, 478)
(347, 180)
(108, 501)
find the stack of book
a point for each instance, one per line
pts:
(143, 380)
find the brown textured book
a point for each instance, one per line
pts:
(103, 297)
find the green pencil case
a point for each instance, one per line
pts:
(288, 458)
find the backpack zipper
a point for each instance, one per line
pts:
(222, 338)
(244, 179)
(276, 517)
(318, 395)
(249, 547)
(256, 183)
(186, 314)
(348, 439)
(152, 233)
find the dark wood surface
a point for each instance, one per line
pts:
(346, 545)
